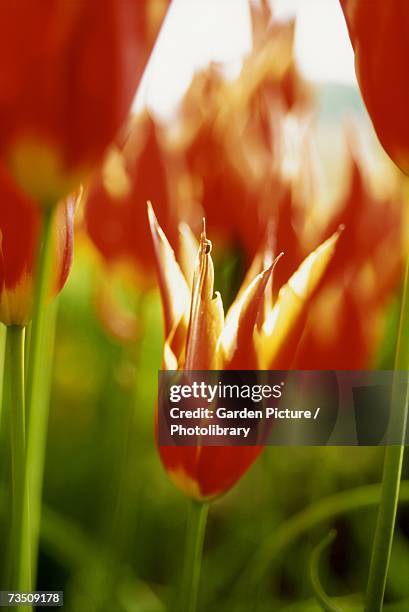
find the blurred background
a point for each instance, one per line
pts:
(255, 121)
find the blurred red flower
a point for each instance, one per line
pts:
(20, 224)
(347, 316)
(224, 149)
(68, 73)
(379, 33)
(230, 134)
(115, 211)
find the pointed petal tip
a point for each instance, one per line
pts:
(269, 270)
(277, 259)
(205, 244)
(151, 213)
(156, 229)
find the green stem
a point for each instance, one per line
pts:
(392, 470)
(20, 562)
(37, 390)
(195, 532)
(322, 598)
(3, 332)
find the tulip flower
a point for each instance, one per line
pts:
(347, 316)
(255, 334)
(115, 208)
(379, 32)
(20, 224)
(231, 135)
(68, 74)
(136, 168)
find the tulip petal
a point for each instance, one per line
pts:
(173, 287)
(281, 330)
(237, 338)
(206, 315)
(20, 223)
(64, 237)
(220, 467)
(205, 472)
(188, 248)
(379, 34)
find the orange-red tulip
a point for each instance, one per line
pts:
(347, 316)
(68, 74)
(20, 223)
(115, 209)
(379, 32)
(255, 334)
(231, 135)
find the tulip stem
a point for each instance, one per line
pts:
(195, 533)
(20, 565)
(37, 391)
(3, 333)
(392, 470)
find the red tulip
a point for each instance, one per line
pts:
(115, 210)
(347, 316)
(379, 32)
(232, 135)
(20, 223)
(68, 74)
(254, 335)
